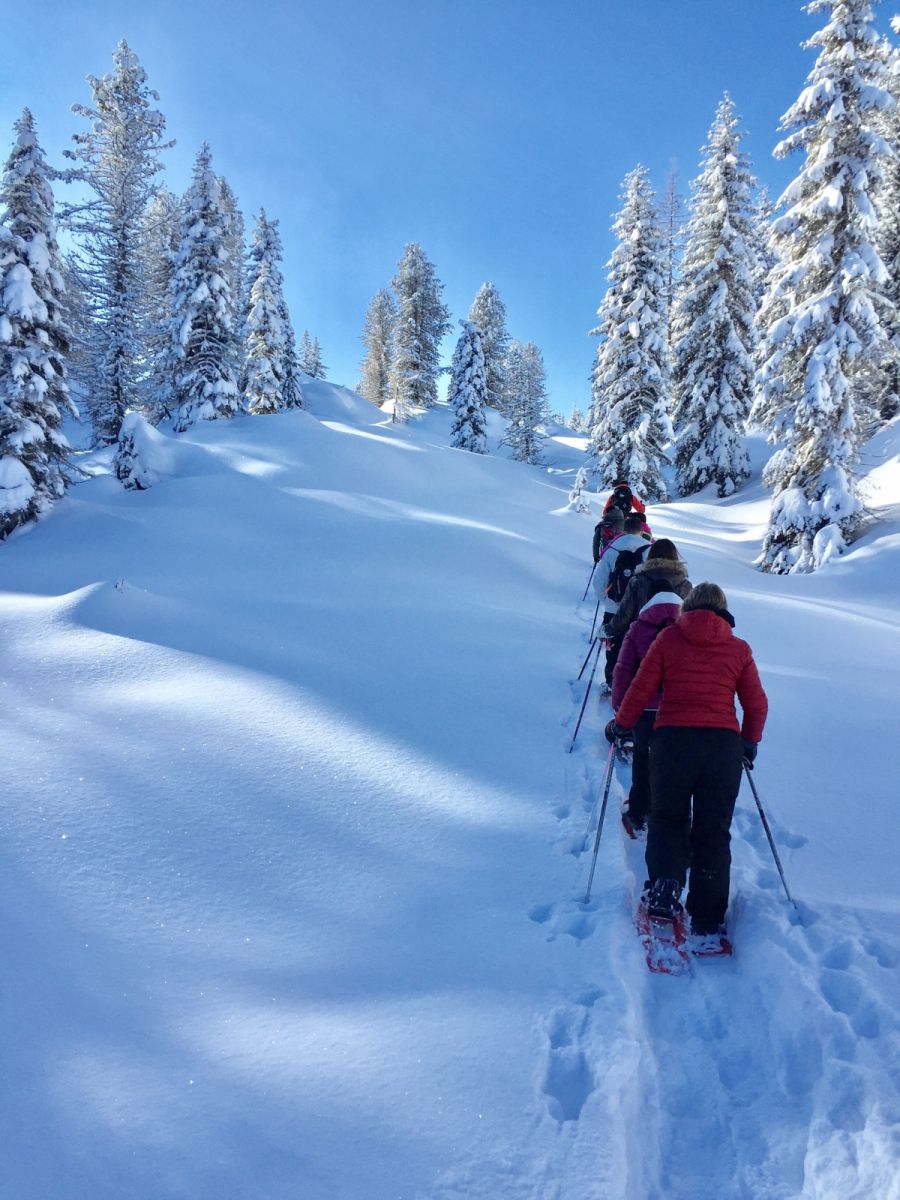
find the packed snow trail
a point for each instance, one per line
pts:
(293, 860)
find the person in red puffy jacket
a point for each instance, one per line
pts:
(623, 498)
(696, 754)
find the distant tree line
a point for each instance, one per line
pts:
(783, 318)
(160, 308)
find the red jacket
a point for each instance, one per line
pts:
(701, 666)
(636, 505)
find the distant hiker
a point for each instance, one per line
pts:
(618, 562)
(660, 610)
(696, 753)
(610, 526)
(662, 565)
(622, 497)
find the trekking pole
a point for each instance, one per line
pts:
(590, 577)
(593, 810)
(587, 656)
(609, 772)
(768, 834)
(594, 622)
(586, 694)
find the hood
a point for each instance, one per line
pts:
(703, 628)
(663, 568)
(663, 599)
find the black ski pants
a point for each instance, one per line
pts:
(697, 769)
(639, 796)
(613, 646)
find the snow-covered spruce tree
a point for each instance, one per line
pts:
(671, 221)
(264, 367)
(526, 401)
(715, 330)
(34, 338)
(631, 376)
(578, 421)
(489, 313)
(311, 363)
(159, 245)
(378, 339)
(119, 155)
(885, 380)
(827, 294)
(239, 278)
(422, 321)
(467, 392)
(577, 502)
(292, 391)
(202, 305)
(765, 257)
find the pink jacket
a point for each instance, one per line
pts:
(659, 611)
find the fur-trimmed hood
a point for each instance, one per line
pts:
(664, 568)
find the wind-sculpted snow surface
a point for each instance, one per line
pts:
(294, 855)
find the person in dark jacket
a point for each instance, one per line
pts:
(622, 497)
(662, 565)
(696, 755)
(609, 527)
(660, 611)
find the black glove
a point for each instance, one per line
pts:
(615, 733)
(750, 749)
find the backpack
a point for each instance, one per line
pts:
(627, 562)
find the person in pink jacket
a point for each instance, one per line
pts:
(660, 611)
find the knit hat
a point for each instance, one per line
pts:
(614, 517)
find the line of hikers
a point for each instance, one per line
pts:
(674, 668)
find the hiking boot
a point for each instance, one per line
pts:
(663, 901)
(633, 827)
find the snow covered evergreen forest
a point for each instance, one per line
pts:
(295, 852)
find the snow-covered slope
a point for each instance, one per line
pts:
(292, 846)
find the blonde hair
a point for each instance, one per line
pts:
(705, 595)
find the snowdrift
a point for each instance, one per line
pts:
(294, 852)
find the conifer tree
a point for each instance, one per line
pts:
(715, 330)
(119, 156)
(240, 279)
(577, 502)
(264, 367)
(823, 308)
(378, 339)
(467, 391)
(671, 220)
(159, 245)
(311, 363)
(885, 381)
(202, 305)
(489, 313)
(422, 321)
(292, 392)
(578, 421)
(34, 338)
(631, 377)
(527, 401)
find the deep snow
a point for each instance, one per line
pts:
(292, 847)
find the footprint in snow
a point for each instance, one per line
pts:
(884, 954)
(568, 1079)
(845, 995)
(541, 913)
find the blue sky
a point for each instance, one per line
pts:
(494, 132)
